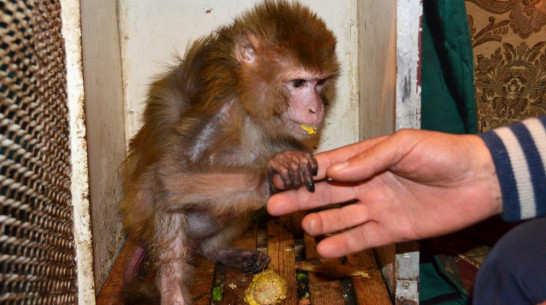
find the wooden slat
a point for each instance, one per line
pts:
(280, 248)
(238, 279)
(385, 256)
(321, 289)
(111, 290)
(369, 291)
(201, 282)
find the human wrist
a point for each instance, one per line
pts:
(518, 154)
(486, 173)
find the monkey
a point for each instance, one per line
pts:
(241, 107)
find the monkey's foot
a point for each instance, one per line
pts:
(248, 260)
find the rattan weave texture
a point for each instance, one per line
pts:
(37, 257)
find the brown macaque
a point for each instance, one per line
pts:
(241, 107)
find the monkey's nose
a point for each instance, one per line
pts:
(312, 111)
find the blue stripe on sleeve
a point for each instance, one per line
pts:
(541, 197)
(501, 159)
(536, 168)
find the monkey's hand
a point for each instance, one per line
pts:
(293, 168)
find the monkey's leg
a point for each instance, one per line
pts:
(216, 248)
(173, 270)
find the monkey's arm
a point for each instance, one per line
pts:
(219, 192)
(235, 189)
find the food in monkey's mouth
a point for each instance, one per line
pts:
(267, 287)
(310, 129)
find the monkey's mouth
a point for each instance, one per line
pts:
(309, 129)
(302, 129)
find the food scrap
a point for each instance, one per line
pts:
(266, 288)
(310, 129)
(217, 293)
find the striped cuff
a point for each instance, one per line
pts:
(519, 154)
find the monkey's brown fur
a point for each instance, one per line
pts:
(216, 128)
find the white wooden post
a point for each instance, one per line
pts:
(71, 31)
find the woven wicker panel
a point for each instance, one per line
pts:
(37, 257)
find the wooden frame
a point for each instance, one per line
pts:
(390, 100)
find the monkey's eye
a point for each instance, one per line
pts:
(322, 81)
(298, 82)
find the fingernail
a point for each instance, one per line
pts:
(310, 186)
(309, 226)
(339, 166)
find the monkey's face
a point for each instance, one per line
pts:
(286, 99)
(282, 92)
(306, 105)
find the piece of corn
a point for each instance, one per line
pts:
(266, 288)
(310, 129)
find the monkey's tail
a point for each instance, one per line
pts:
(138, 286)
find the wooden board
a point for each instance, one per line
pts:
(202, 281)
(280, 247)
(277, 239)
(373, 290)
(111, 292)
(322, 290)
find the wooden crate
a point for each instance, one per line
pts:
(379, 93)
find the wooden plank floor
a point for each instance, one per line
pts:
(284, 249)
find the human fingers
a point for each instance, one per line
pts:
(329, 158)
(334, 220)
(326, 193)
(364, 236)
(375, 159)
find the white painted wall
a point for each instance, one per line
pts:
(152, 34)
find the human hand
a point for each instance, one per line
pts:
(413, 184)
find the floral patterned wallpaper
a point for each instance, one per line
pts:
(509, 43)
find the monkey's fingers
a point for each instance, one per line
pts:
(300, 174)
(285, 167)
(305, 176)
(277, 182)
(302, 166)
(310, 185)
(313, 164)
(261, 263)
(251, 261)
(312, 171)
(292, 169)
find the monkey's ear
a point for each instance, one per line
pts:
(246, 47)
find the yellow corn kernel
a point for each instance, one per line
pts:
(310, 129)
